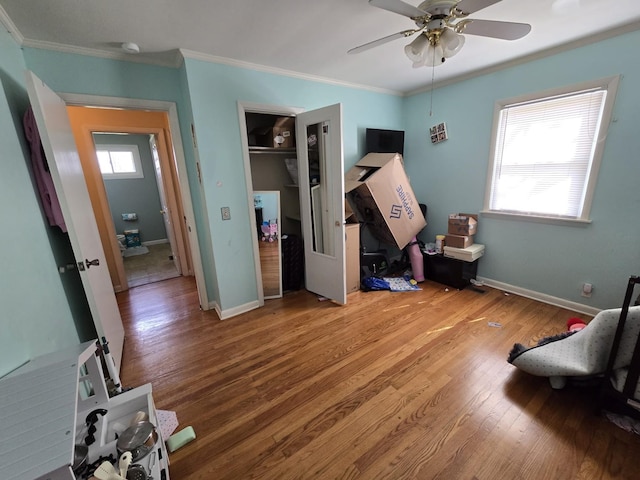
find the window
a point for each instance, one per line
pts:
(119, 161)
(546, 152)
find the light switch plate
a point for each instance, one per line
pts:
(226, 213)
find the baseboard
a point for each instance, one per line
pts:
(232, 312)
(541, 297)
(156, 242)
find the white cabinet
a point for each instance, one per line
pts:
(43, 410)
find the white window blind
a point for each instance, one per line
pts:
(544, 152)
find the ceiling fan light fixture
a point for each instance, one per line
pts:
(451, 42)
(434, 55)
(415, 51)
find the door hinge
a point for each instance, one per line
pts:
(193, 136)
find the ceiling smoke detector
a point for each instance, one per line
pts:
(131, 47)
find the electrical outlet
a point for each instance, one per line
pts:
(587, 289)
(226, 213)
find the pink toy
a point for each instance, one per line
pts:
(269, 231)
(575, 324)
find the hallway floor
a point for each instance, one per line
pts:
(150, 267)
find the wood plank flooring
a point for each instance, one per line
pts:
(270, 266)
(411, 385)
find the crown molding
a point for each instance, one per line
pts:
(282, 72)
(175, 62)
(11, 27)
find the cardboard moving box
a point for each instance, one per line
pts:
(458, 241)
(280, 135)
(463, 224)
(379, 190)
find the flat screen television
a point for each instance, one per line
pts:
(384, 141)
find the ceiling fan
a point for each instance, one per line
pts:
(440, 25)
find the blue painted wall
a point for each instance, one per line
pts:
(554, 260)
(207, 96)
(214, 91)
(35, 315)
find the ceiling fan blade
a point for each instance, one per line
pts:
(399, 7)
(382, 41)
(471, 6)
(495, 29)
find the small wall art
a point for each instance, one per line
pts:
(438, 133)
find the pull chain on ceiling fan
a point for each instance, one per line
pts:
(440, 27)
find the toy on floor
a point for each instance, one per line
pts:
(180, 439)
(575, 324)
(269, 231)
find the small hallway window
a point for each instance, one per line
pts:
(119, 161)
(546, 152)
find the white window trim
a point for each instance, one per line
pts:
(611, 85)
(123, 148)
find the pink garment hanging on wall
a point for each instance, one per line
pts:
(44, 182)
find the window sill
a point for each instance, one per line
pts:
(571, 222)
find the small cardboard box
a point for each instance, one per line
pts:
(379, 189)
(458, 241)
(284, 132)
(280, 135)
(463, 224)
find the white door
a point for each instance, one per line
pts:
(321, 180)
(166, 215)
(64, 164)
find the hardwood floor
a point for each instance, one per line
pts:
(411, 385)
(270, 266)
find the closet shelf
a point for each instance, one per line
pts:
(272, 150)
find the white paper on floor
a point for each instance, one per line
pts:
(133, 251)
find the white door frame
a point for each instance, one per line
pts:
(185, 192)
(243, 109)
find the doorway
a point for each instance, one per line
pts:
(132, 173)
(266, 170)
(136, 112)
(323, 231)
(86, 123)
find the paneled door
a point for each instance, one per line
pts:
(66, 170)
(321, 181)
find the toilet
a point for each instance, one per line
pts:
(122, 242)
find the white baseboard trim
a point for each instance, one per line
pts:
(156, 242)
(541, 297)
(232, 312)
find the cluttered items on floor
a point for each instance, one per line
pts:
(606, 348)
(579, 353)
(394, 284)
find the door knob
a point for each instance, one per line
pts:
(89, 263)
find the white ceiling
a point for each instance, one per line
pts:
(304, 37)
